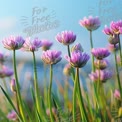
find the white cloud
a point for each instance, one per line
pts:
(7, 23)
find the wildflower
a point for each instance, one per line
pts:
(112, 47)
(67, 69)
(13, 85)
(77, 47)
(102, 75)
(117, 94)
(3, 56)
(108, 31)
(51, 56)
(113, 39)
(90, 23)
(77, 59)
(5, 72)
(32, 45)
(46, 44)
(12, 115)
(101, 64)
(115, 26)
(66, 37)
(13, 43)
(100, 53)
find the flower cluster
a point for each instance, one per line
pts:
(101, 64)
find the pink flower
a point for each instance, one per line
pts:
(115, 26)
(117, 94)
(103, 74)
(46, 44)
(100, 53)
(90, 23)
(66, 37)
(12, 115)
(13, 43)
(51, 56)
(101, 64)
(78, 59)
(32, 45)
(108, 31)
(5, 72)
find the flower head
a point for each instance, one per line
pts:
(108, 31)
(117, 94)
(100, 53)
(90, 23)
(32, 45)
(103, 74)
(113, 39)
(12, 115)
(5, 72)
(77, 47)
(67, 69)
(51, 56)
(3, 56)
(66, 37)
(101, 64)
(46, 44)
(115, 26)
(78, 59)
(13, 42)
(112, 47)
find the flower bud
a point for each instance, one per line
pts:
(13, 85)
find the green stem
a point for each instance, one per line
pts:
(91, 44)
(117, 73)
(49, 93)
(74, 97)
(37, 97)
(21, 108)
(45, 85)
(69, 50)
(120, 53)
(66, 93)
(81, 103)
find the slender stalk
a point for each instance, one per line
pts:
(66, 92)
(45, 85)
(81, 103)
(74, 97)
(117, 73)
(68, 50)
(21, 108)
(37, 98)
(91, 44)
(120, 53)
(49, 93)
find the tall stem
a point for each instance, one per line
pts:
(74, 97)
(37, 97)
(117, 73)
(91, 44)
(49, 93)
(81, 103)
(69, 51)
(120, 53)
(22, 113)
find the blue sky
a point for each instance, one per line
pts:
(17, 16)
